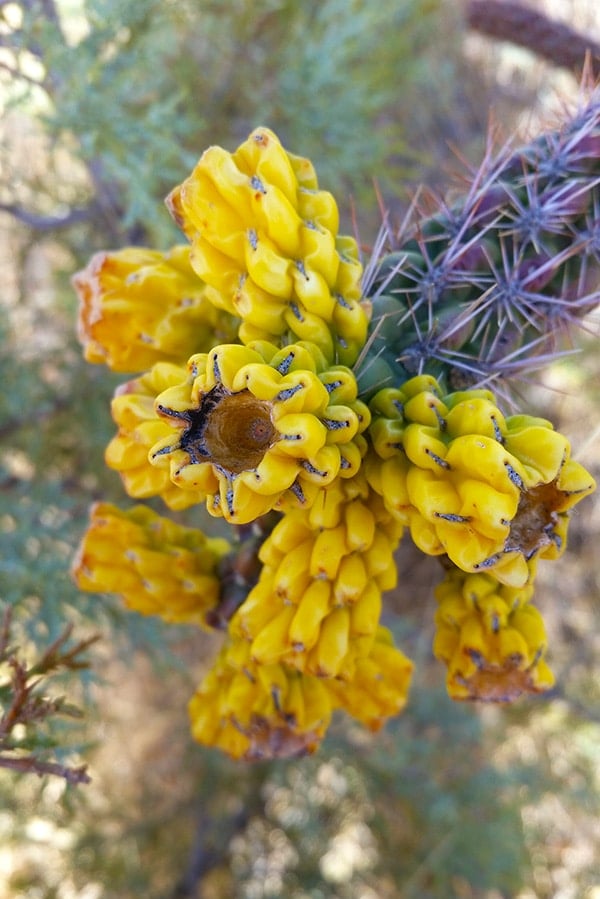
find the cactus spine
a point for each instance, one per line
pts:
(486, 289)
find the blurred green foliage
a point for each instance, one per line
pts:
(107, 105)
(136, 90)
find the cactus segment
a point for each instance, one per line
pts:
(488, 288)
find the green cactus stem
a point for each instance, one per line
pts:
(488, 289)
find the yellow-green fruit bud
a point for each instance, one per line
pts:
(140, 306)
(256, 712)
(491, 637)
(139, 429)
(264, 237)
(252, 427)
(317, 602)
(490, 492)
(378, 688)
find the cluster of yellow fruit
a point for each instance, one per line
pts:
(251, 406)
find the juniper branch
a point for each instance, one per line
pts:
(53, 658)
(22, 703)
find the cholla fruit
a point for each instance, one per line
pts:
(491, 637)
(258, 712)
(488, 491)
(379, 686)
(317, 602)
(156, 566)
(140, 306)
(139, 429)
(266, 239)
(252, 424)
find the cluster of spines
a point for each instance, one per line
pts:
(488, 288)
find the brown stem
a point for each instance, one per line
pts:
(48, 222)
(21, 692)
(15, 73)
(5, 632)
(31, 765)
(107, 205)
(53, 658)
(212, 837)
(526, 27)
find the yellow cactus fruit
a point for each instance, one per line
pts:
(156, 566)
(265, 238)
(139, 428)
(250, 425)
(379, 686)
(490, 492)
(258, 712)
(317, 603)
(139, 306)
(491, 637)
